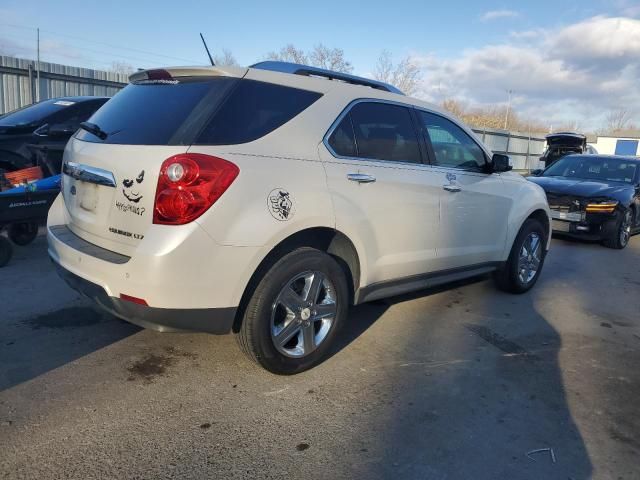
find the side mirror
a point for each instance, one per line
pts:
(500, 163)
(536, 172)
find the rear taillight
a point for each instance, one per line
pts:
(189, 183)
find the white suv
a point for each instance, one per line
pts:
(265, 201)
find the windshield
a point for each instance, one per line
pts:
(33, 114)
(593, 168)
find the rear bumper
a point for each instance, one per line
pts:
(210, 320)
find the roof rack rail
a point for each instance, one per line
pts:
(298, 69)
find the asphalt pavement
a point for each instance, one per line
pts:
(456, 383)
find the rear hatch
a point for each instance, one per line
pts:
(567, 140)
(111, 174)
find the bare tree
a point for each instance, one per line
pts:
(122, 68)
(491, 116)
(225, 59)
(321, 56)
(618, 120)
(330, 58)
(405, 74)
(289, 53)
(455, 107)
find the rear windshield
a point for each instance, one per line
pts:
(158, 113)
(205, 111)
(34, 114)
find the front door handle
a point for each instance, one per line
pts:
(361, 177)
(452, 188)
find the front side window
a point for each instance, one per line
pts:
(385, 132)
(452, 146)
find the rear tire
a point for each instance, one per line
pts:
(23, 233)
(295, 312)
(522, 269)
(6, 251)
(619, 237)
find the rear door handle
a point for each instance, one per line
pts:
(361, 177)
(452, 188)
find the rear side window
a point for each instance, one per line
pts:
(342, 140)
(385, 132)
(160, 113)
(253, 110)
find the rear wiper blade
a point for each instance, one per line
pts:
(94, 129)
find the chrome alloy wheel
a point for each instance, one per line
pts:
(625, 228)
(530, 258)
(303, 314)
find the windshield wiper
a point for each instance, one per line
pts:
(94, 129)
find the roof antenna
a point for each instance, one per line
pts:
(208, 53)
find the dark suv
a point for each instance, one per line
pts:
(44, 126)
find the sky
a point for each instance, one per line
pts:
(565, 61)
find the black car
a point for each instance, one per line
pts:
(44, 126)
(594, 197)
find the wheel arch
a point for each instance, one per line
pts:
(544, 219)
(326, 239)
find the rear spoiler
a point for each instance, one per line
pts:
(170, 74)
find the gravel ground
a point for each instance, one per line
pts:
(451, 383)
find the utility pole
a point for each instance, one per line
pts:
(506, 115)
(38, 66)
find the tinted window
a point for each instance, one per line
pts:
(80, 112)
(342, 140)
(452, 146)
(35, 114)
(159, 113)
(385, 132)
(594, 168)
(253, 110)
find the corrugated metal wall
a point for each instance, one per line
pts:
(524, 150)
(18, 82)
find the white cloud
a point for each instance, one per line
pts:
(578, 72)
(496, 14)
(628, 8)
(614, 41)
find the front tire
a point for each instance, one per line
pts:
(522, 269)
(619, 237)
(295, 312)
